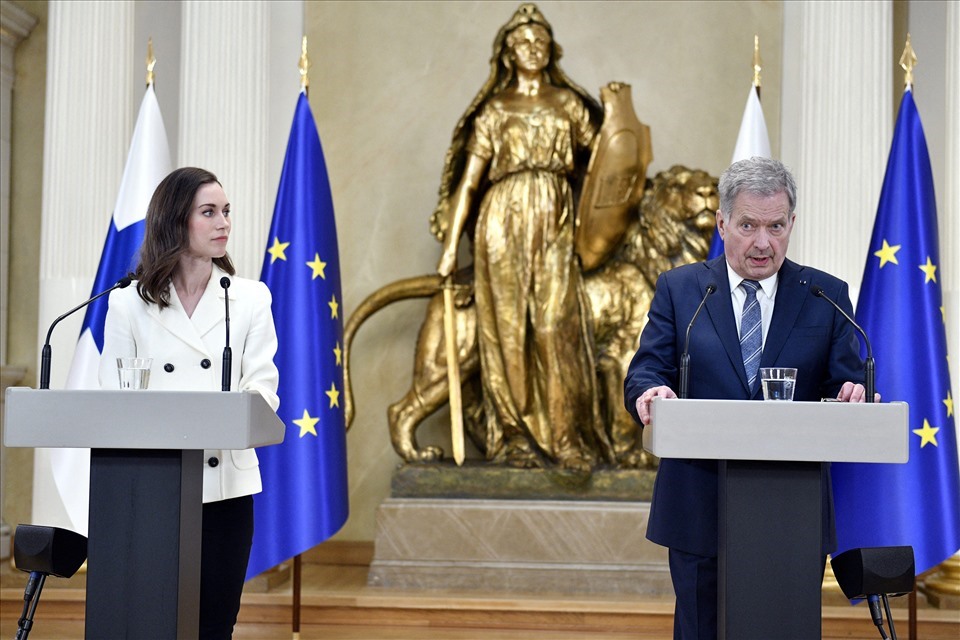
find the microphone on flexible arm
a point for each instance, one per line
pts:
(685, 358)
(870, 373)
(227, 353)
(46, 354)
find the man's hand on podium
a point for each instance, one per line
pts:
(851, 392)
(643, 402)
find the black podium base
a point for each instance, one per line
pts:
(143, 568)
(770, 561)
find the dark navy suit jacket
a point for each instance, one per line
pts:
(805, 332)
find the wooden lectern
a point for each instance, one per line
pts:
(146, 481)
(770, 457)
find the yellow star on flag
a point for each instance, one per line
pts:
(318, 266)
(949, 403)
(928, 435)
(307, 424)
(333, 306)
(338, 354)
(887, 254)
(334, 396)
(277, 250)
(930, 269)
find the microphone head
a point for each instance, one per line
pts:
(711, 288)
(124, 282)
(817, 290)
(225, 282)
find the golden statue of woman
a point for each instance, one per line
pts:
(508, 184)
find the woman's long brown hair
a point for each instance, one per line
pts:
(167, 233)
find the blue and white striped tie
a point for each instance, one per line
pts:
(751, 333)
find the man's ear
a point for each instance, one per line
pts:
(720, 228)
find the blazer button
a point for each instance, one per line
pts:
(205, 363)
(214, 461)
(168, 368)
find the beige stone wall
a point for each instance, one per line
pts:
(26, 186)
(389, 82)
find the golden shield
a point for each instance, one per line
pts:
(615, 177)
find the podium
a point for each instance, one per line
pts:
(146, 491)
(772, 458)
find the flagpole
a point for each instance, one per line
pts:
(304, 67)
(908, 60)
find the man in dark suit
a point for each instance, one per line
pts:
(762, 314)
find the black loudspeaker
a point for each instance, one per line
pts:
(48, 550)
(875, 571)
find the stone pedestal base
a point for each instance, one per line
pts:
(517, 545)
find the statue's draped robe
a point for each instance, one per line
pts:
(535, 346)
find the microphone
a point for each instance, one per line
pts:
(685, 358)
(46, 356)
(227, 353)
(870, 372)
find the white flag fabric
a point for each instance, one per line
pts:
(752, 140)
(62, 476)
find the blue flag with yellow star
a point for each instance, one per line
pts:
(901, 308)
(304, 498)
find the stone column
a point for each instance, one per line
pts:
(15, 25)
(224, 113)
(89, 120)
(837, 127)
(88, 123)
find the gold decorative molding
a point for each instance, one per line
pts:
(942, 585)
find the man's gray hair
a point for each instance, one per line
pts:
(757, 176)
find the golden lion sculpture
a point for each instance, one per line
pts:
(675, 222)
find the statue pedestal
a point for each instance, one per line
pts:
(468, 542)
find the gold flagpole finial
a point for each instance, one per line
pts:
(151, 61)
(304, 67)
(908, 60)
(757, 62)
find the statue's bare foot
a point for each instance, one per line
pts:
(521, 455)
(574, 461)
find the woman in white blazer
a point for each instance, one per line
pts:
(175, 316)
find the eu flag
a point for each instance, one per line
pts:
(901, 307)
(304, 498)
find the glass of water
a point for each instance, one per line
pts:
(134, 372)
(778, 382)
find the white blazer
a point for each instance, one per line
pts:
(187, 355)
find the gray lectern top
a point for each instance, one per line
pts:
(146, 419)
(781, 431)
